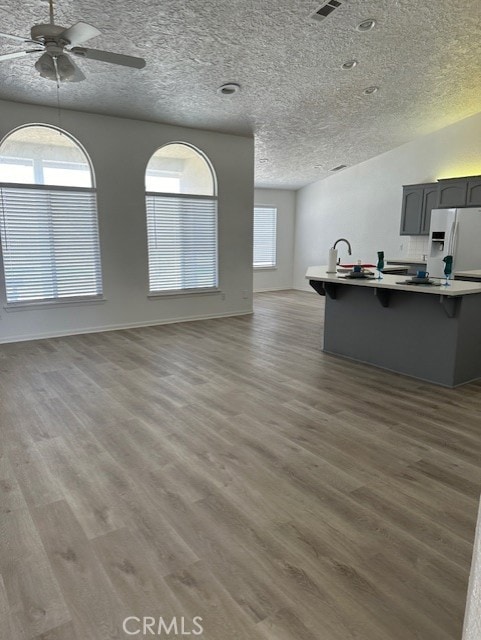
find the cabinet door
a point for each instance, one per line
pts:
(411, 211)
(452, 193)
(430, 202)
(473, 198)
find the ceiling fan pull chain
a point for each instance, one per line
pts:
(58, 105)
(57, 76)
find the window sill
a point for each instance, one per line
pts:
(184, 292)
(25, 306)
(274, 268)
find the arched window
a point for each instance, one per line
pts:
(48, 217)
(181, 203)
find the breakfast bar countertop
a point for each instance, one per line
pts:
(395, 282)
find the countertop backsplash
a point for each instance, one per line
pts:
(413, 248)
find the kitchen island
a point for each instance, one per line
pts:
(429, 332)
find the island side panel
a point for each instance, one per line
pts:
(468, 352)
(413, 335)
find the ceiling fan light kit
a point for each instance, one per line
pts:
(59, 67)
(56, 43)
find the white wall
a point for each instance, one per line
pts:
(363, 203)
(120, 149)
(281, 277)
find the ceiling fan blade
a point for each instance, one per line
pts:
(107, 56)
(17, 38)
(78, 33)
(19, 54)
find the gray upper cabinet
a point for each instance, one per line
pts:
(418, 201)
(411, 210)
(460, 192)
(452, 192)
(473, 195)
(430, 202)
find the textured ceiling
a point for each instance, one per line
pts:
(307, 115)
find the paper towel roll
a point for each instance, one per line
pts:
(331, 266)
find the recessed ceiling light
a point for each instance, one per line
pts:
(318, 166)
(350, 64)
(366, 25)
(229, 88)
(263, 160)
(368, 91)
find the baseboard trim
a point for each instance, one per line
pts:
(272, 289)
(119, 327)
(308, 289)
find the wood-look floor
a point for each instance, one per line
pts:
(228, 469)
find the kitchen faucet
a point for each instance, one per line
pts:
(349, 251)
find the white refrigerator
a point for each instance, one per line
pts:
(457, 233)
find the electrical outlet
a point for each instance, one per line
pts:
(222, 296)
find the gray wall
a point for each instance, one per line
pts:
(120, 149)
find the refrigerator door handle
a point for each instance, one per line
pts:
(454, 239)
(449, 246)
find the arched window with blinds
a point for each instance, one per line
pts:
(181, 206)
(48, 218)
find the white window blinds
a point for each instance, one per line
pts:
(182, 242)
(50, 243)
(265, 233)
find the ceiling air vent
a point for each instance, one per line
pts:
(339, 167)
(326, 9)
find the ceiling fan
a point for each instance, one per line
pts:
(58, 44)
